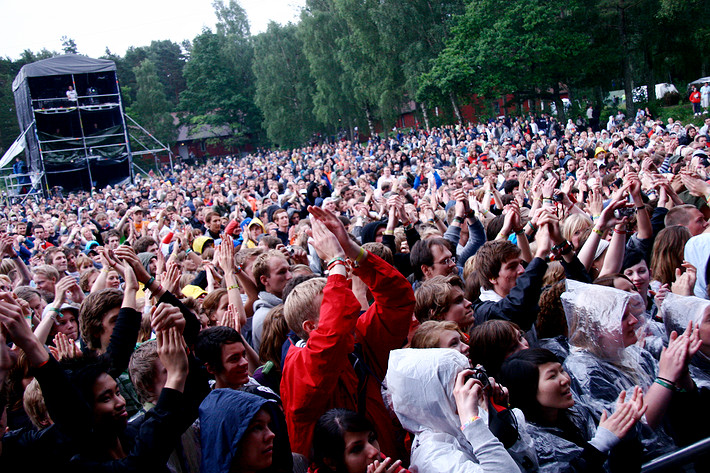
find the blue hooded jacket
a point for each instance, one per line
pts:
(225, 415)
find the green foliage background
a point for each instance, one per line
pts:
(357, 63)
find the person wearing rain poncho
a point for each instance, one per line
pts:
(565, 434)
(434, 401)
(605, 360)
(677, 311)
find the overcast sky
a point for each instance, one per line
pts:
(95, 24)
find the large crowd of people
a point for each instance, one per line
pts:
(519, 295)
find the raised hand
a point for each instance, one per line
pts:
(171, 281)
(14, 317)
(333, 224)
(626, 414)
(126, 254)
(684, 282)
(171, 351)
(327, 245)
(386, 466)
(166, 316)
(467, 394)
(65, 348)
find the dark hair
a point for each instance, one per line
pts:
(551, 320)
(491, 342)
(329, 437)
(632, 258)
(84, 378)
(491, 257)
(92, 312)
(520, 374)
(141, 245)
(208, 346)
(421, 254)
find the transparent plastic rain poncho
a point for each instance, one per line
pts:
(556, 454)
(421, 383)
(599, 363)
(677, 311)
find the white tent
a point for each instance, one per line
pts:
(700, 81)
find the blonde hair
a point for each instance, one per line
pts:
(303, 304)
(575, 223)
(427, 334)
(33, 403)
(49, 272)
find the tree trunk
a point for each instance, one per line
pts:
(370, 121)
(456, 108)
(425, 114)
(626, 65)
(650, 81)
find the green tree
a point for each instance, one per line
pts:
(216, 94)
(321, 31)
(220, 83)
(69, 45)
(528, 47)
(283, 86)
(151, 108)
(416, 31)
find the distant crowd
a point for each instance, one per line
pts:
(521, 294)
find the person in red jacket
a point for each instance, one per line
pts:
(695, 100)
(336, 339)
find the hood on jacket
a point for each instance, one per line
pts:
(268, 300)
(369, 231)
(145, 258)
(594, 315)
(421, 382)
(256, 221)
(677, 311)
(200, 244)
(225, 415)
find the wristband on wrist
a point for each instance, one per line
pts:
(336, 263)
(388, 232)
(620, 232)
(150, 282)
(470, 421)
(336, 259)
(458, 220)
(233, 286)
(520, 231)
(188, 251)
(360, 256)
(665, 383)
(598, 232)
(641, 207)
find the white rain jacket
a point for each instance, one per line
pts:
(421, 383)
